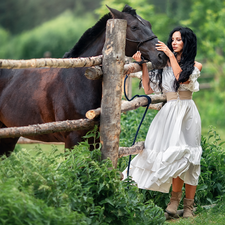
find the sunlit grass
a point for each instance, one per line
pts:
(32, 148)
(212, 216)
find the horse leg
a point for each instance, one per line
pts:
(7, 145)
(73, 138)
(77, 136)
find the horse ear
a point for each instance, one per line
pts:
(115, 13)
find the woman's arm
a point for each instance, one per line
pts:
(198, 65)
(145, 76)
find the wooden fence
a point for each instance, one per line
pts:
(112, 72)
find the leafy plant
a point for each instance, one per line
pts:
(82, 188)
(212, 178)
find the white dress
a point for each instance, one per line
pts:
(173, 143)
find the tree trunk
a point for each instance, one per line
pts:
(51, 62)
(113, 65)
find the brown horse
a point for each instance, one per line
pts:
(34, 96)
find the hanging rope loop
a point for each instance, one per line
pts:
(147, 106)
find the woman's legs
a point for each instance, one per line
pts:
(177, 184)
(190, 191)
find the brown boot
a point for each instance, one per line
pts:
(188, 208)
(174, 203)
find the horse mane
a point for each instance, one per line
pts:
(94, 32)
(85, 39)
(129, 10)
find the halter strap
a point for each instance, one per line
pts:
(142, 42)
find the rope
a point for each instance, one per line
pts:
(149, 102)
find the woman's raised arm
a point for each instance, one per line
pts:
(145, 76)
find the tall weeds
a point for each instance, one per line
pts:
(71, 188)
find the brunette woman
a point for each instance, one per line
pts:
(172, 150)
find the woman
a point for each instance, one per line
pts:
(172, 147)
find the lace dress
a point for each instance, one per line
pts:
(172, 145)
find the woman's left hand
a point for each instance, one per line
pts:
(162, 47)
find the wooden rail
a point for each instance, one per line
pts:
(51, 62)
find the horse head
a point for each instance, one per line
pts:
(140, 37)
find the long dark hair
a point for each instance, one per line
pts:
(187, 61)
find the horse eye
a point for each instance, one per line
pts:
(134, 28)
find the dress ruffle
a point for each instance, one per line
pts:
(154, 170)
(193, 85)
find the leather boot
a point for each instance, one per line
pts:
(174, 202)
(188, 208)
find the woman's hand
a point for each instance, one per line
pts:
(137, 56)
(162, 47)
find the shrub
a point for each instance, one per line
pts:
(212, 179)
(81, 188)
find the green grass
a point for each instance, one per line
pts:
(44, 147)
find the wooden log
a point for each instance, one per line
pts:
(133, 150)
(136, 75)
(46, 128)
(156, 106)
(205, 86)
(94, 73)
(51, 62)
(142, 101)
(134, 67)
(157, 103)
(113, 65)
(93, 113)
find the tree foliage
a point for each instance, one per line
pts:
(55, 36)
(207, 19)
(20, 15)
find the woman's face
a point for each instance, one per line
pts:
(177, 43)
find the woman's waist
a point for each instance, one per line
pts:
(181, 95)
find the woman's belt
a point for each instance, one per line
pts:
(182, 95)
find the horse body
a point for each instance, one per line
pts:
(35, 96)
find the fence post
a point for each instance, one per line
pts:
(113, 65)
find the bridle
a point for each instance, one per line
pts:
(142, 42)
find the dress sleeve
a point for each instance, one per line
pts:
(193, 86)
(155, 88)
